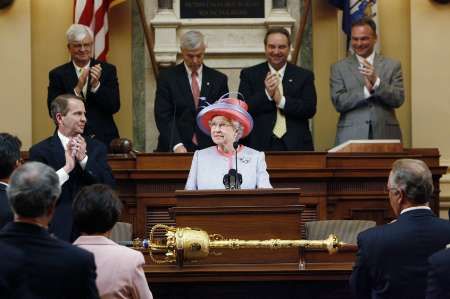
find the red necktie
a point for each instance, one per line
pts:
(195, 88)
(196, 96)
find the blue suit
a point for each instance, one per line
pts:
(6, 214)
(439, 275)
(392, 258)
(12, 273)
(49, 268)
(51, 152)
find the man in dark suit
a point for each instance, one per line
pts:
(439, 275)
(76, 160)
(281, 97)
(49, 268)
(366, 88)
(13, 281)
(9, 160)
(181, 92)
(392, 258)
(93, 80)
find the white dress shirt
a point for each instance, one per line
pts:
(62, 174)
(370, 60)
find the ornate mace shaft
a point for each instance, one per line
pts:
(330, 244)
(186, 244)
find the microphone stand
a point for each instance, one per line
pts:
(238, 183)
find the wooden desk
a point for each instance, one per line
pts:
(333, 185)
(317, 280)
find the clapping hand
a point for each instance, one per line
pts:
(96, 73)
(78, 146)
(369, 74)
(82, 81)
(271, 82)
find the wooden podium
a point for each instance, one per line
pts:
(247, 215)
(369, 146)
(249, 273)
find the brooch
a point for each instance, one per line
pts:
(244, 160)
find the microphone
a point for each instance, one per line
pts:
(238, 176)
(232, 180)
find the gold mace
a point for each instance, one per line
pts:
(188, 244)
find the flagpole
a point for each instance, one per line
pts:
(300, 31)
(148, 39)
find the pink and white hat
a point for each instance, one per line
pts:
(231, 108)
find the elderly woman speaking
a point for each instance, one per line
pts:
(226, 121)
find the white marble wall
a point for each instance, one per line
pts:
(232, 44)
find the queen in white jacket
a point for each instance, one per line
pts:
(226, 121)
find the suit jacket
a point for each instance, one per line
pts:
(100, 106)
(175, 112)
(439, 275)
(51, 152)
(6, 214)
(209, 167)
(358, 113)
(54, 268)
(13, 281)
(300, 94)
(119, 269)
(392, 259)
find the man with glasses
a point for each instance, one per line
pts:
(392, 258)
(90, 79)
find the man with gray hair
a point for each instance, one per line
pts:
(78, 161)
(181, 93)
(54, 269)
(93, 80)
(392, 258)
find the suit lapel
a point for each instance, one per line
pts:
(288, 79)
(378, 64)
(206, 85)
(182, 77)
(57, 151)
(353, 66)
(71, 75)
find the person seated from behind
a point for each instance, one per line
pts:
(392, 259)
(9, 160)
(438, 285)
(227, 121)
(44, 267)
(120, 274)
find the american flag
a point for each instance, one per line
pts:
(94, 14)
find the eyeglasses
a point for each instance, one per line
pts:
(220, 125)
(78, 46)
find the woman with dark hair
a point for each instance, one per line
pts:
(120, 274)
